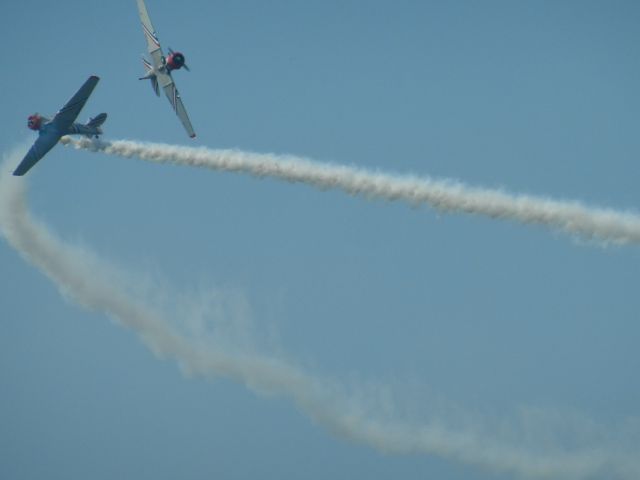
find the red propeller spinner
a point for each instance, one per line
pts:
(34, 122)
(176, 61)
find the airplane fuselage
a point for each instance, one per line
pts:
(74, 129)
(82, 129)
(44, 126)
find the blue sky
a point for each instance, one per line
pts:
(484, 317)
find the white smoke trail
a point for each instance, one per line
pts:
(91, 282)
(592, 223)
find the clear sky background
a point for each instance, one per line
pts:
(482, 316)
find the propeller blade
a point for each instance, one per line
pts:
(185, 67)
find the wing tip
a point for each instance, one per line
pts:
(193, 135)
(20, 170)
(94, 77)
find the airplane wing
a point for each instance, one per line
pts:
(67, 114)
(153, 44)
(169, 87)
(43, 144)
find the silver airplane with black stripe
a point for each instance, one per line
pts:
(63, 123)
(158, 71)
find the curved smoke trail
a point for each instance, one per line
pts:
(97, 285)
(572, 217)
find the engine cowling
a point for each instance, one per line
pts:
(175, 61)
(34, 122)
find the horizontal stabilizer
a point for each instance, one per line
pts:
(151, 75)
(147, 65)
(97, 120)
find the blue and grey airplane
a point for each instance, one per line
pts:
(63, 123)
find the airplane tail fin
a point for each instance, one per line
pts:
(150, 74)
(94, 125)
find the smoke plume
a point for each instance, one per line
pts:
(98, 285)
(604, 225)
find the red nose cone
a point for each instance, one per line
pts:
(34, 121)
(175, 61)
